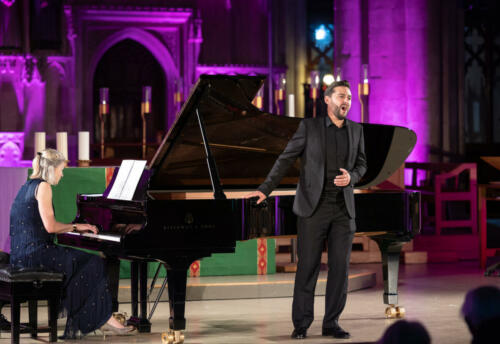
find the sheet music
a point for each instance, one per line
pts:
(132, 180)
(126, 181)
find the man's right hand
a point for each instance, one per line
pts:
(256, 194)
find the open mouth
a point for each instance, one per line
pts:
(343, 107)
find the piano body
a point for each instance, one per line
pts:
(189, 202)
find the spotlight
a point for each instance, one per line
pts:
(328, 79)
(320, 33)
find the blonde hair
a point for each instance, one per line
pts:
(45, 163)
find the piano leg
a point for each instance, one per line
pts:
(145, 325)
(139, 280)
(113, 270)
(177, 279)
(134, 287)
(391, 252)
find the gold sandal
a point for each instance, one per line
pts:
(122, 331)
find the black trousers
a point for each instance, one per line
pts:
(331, 223)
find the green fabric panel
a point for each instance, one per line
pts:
(81, 180)
(271, 256)
(242, 262)
(76, 180)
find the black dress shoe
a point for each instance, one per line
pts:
(299, 333)
(336, 332)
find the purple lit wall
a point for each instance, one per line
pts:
(400, 74)
(22, 98)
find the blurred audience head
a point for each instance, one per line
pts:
(481, 312)
(408, 332)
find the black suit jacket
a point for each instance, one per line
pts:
(308, 144)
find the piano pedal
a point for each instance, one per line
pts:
(172, 337)
(393, 312)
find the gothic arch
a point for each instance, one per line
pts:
(150, 42)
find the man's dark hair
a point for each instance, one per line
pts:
(331, 89)
(481, 312)
(408, 332)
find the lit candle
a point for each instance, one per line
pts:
(146, 99)
(314, 84)
(62, 143)
(281, 87)
(365, 73)
(291, 105)
(39, 142)
(103, 101)
(178, 91)
(258, 101)
(339, 74)
(83, 145)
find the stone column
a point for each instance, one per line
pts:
(404, 80)
(348, 47)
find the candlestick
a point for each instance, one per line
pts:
(103, 110)
(363, 92)
(62, 143)
(314, 89)
(39, 142)
(145, 109)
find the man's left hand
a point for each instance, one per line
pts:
(344, 179)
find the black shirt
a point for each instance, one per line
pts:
(336, 152)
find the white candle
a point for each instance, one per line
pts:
(62, 143)
(39, 141)
(291, 105)
(83, 145)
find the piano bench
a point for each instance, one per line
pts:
(30, 284)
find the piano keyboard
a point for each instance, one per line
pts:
(106, 237)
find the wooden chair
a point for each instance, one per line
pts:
(446, 182)
(449, 209)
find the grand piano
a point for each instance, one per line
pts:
(189, 202)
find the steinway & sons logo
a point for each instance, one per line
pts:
(189, 224)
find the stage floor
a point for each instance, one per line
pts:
(431, 293)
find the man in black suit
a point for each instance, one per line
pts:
(332, 154)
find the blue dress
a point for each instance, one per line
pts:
(86, 300)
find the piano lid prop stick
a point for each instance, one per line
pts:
(212, 168)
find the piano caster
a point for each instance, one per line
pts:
(172, 337)
(393, 312)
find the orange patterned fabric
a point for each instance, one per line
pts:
(194, 269)
(109, 174)
(262, 256)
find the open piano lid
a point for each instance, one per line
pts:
(245, 141)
